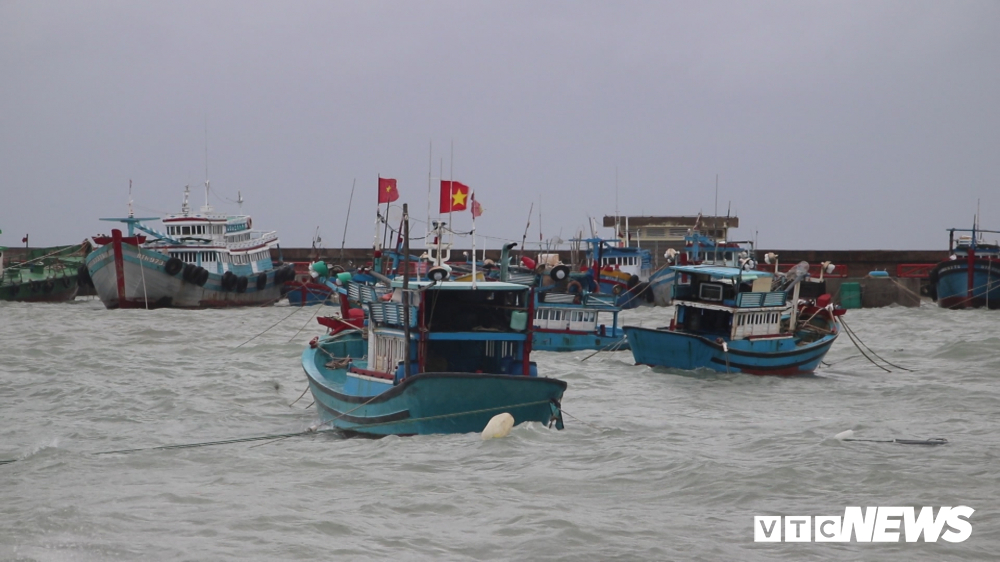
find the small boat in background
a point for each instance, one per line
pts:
(970, 277)
(312, 284)
(43, 274)
(732, 320)
(203, 260)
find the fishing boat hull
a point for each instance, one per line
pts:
(358, 401)
(42, 274)
(127, 276)
(42, 289)
(613, 339)
(954, 287)
(300, 293)
(662, 347)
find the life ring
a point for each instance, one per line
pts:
(579, 287)
(261, 281)
(228, 280)
(173, 266)
(241, 284)
(617, 289)
(202, 277)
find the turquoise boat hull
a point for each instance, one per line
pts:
(352, 400)
(770, 356)
(613, 340)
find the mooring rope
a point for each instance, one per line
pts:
(616, 345)
(318, 307)
(298, 308)
(849, 330)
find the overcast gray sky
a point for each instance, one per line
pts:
(831, 125)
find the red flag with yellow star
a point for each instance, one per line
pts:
(454, 196)
(387, 190)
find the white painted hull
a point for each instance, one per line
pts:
(145, 283)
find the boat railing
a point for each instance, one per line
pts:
(601, 300)
(391, 313)
(365, 293)
(521, 278)
(761, 299)
(262, 238)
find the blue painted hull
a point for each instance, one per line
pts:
(770, 356)
(614, 339)
(952, 284)
(421, 404)
(308, 294)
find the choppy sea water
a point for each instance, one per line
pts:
(652, 465)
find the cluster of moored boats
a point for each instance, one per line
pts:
(425, 344)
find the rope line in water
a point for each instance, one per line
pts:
(298, 308)
(850, 331)
(209, 443)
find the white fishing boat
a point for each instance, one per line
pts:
(199, 260)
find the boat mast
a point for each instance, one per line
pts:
(406, 290)
(348, 220)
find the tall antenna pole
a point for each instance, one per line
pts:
(715, 221)
(617, 219)
(430, 189)
(206, 163)
(344, 239)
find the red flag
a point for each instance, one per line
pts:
(387, 190)
(454, 196)
(477, 209)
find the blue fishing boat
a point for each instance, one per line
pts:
(731, 320)
(698, 249)
(970, 277)
(571, 319)
(437, 357)
(620, 270)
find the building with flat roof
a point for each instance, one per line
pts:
(657, 234)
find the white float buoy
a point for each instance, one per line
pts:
(844, 435)
(499, 426)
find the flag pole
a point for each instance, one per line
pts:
(451, 189)
(430, 189)
(473, 206)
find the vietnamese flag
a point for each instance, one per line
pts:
(387, 190)
(454, 196)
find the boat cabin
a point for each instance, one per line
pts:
(729, 302)
(452, 327)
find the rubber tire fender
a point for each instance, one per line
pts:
(241, 284)
(228, 280)
(173, 266)
(202, 277)
(261, 281)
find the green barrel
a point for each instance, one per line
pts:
(850, 295)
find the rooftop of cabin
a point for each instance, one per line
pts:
(462, 285)
(721, 272)
(676, 221)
